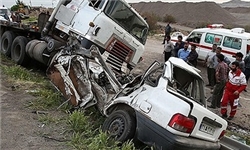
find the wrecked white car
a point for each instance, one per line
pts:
(164, 108)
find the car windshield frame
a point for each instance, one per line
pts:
(190, 86)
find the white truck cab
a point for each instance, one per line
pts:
(230, 40)
(114, 26)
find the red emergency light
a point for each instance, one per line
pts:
(215, 26)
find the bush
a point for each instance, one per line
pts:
(151, 19)
(247, 28)
(169, 18)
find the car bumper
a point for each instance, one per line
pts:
(152, 134)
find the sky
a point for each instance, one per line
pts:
(52, 3)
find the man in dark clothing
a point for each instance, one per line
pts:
(238, 58)
(221, 77)
(193, 56)
(178, 45)
(167, 32)
(247, 66)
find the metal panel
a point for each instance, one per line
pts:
(65, 15)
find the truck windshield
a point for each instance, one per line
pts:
(128, 19)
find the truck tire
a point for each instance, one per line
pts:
(18, 54)
(120, 125)
(6, 42)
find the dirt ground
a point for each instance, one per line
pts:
(21, 129)
(20, 126)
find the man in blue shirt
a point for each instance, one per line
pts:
(184, 52)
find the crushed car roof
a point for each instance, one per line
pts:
(182, 64)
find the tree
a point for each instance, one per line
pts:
(19, 4)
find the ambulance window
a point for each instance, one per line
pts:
(194, 37)
(213, 38)
(232, 42)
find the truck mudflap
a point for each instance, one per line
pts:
(76, 72)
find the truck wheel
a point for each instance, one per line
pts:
(18, 53)
(120, 125)
(6, 42)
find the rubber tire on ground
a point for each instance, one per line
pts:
(18, 54)
(6, 42)
(120, 125)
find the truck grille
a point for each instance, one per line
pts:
(118, 53)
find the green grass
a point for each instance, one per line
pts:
(46, 99)
(31, 19)
(79, 122)
(17, 72)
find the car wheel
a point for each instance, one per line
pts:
(120, 125)
(18, 54)
(6, 42)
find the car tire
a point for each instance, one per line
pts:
(6, 42)
(18, 54)
(120, 125)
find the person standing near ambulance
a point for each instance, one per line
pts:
(210, 66)
(247, 66)
(235, 85)
(168, 29)
(215, 60)
(168, 48)
(184, 52)
(178, 45)
(221, 73)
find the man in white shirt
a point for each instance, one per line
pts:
(210, 66)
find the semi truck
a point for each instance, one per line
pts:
(114, 27)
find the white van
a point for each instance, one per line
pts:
(5, 12)
(230, 40)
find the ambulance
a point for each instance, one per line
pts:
(230, 40)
